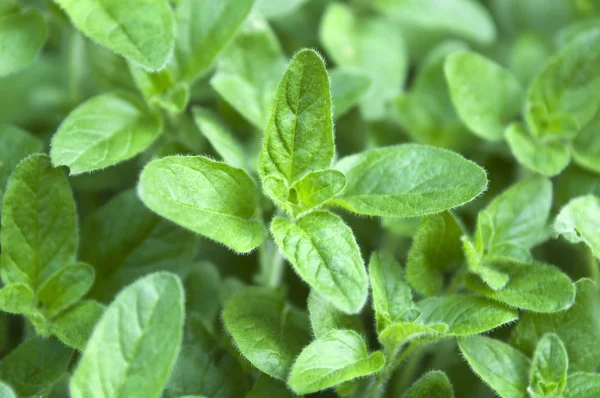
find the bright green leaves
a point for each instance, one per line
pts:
(582, 385)
(268, 333)
(325, 317)
(486, 95)
(499, 365)
(22, 36)
(432, 384)
(436, 249)
(39, 223)
(210, 198)
(585, 147)
(160, 89)
(336, 357)
(15, 144)
(579, 221)
(515, 220)
(549, 368)
(392, 299)
(104, 131)
(347, 87)
(140, 30)
(203, 29)
(299, 136)
(324, 252)
(408, 181)
(363, 43)
(143, 326)
(17, 298)
(32, 368)
(65, 287)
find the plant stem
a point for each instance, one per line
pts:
(377, 387)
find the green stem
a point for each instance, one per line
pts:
(377, 386)
(592, 265)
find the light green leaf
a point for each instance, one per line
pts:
(17, 298)
(22, 36)
(32, 368)
(202, 284)
(39, 223)
(531, 286)
(500, 366)
(277, 9)
(268, 333)
(203, 30)
(546, 158)
(578, 328)
(65, 287)
(586, 147)
(15, 144)
(324, 317)
(140, 30)
(104, 131)
(516, 219)
(392, 298)
(434, 384)
(325, 254)
(364, 43)
(436, 248)
(267, 387)
(6, 391)
(299, 136)
(579, 221)
(249, 70)
(464, 315)
(337, 357)
(219, 136)
(395, 336)
(348, 85)
(464, 18)
(210, 198)
(582, 385)
(146, 322)
(161, 89)
(74, 326)
(486, 95)
(548, 375)
(568, 85)
(408, 180)
(124, 240)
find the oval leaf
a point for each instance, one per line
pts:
(65, 287)
(548, 375)
(22, 36)
(433, 384)
(579, 221)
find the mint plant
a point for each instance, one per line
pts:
(256, 198)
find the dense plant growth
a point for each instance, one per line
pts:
(179, 219)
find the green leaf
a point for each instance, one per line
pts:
(204, 368)
(436, 248)
(124, 240)
(161, 89)
(348, 85)
(434, 384)
(267, 387)
(268, 333)
(578, 328)
(502, 367)
(17, 298)
(464, 315)
(546, 158)
(395, 336)
(202, 284)
(22, 36)
(299, 136)
(6, 391)
(515, 220)
(364, 43)
(32, 368)
(324, 317)
(277, 9)
(65, 287)
(586, 146)
(140, 30)
(249, 70)
(408, 181)
(104, 131)
(579, 221)
(548, 375)
(210, 198)
(39, 223)
(464, 18)
(15, 144)
(337, 357)
(392, 298)
(325, 254)
(582, 385)
(568, 85)
(486, 95)
(74, 326)
(145, 321)
(532, 286)
(219, 136)
(203, 30)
